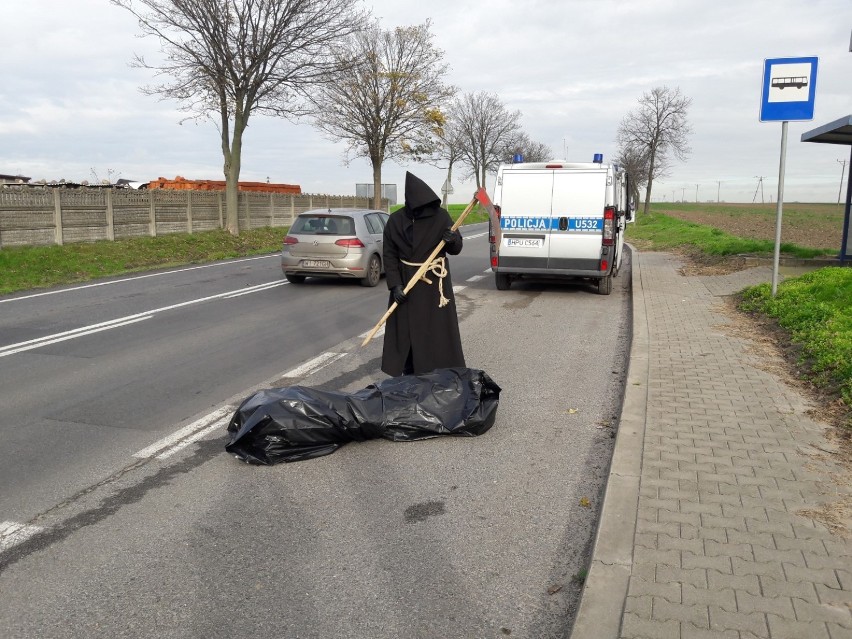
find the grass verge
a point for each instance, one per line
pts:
(28, 267)
(815, 309)
(659, 232)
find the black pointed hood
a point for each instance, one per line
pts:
(418, 194)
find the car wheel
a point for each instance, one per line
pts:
(503, 282)
(374, 272)
(605, 285)
(294, 279)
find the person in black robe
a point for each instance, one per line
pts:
(422, 334)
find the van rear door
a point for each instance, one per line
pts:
(525, 209)
(579, 197)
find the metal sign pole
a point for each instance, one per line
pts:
(778, 209)
(846, 245)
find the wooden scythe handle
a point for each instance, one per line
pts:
(420, 271)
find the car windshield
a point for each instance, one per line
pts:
(323, 225)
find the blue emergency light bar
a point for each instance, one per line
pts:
(598, 158)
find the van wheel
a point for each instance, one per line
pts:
(605, 285)
(294, 279)
(503, 282)
(374, 272)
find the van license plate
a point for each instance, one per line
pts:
(316, 263)
(525, 242)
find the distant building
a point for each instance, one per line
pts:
(182, 184)
(13, 179)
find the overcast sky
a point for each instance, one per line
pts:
(71, 106)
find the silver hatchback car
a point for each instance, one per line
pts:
(343, 243)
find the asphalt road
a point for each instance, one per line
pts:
(112, 526)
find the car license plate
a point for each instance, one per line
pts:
(525, 242)
(316, 263)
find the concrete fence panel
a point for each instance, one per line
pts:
(41, 217)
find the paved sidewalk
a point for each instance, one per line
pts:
(702, 532)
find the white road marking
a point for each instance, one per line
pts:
(471, 237)
(458, 289)
(216, 416)
(13, 533)
(194, 438)
(315, 364)
(138, 277)
(256, 289)
(182, 438)
(61, 337)
(488, 270)
(475, 278)
(379, 332)
(10, 349)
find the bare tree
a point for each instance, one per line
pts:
(237, 58)
(387, 103)
(485, 129)
(635, 162)
(531, 151)
(659, 129)
(448, 150)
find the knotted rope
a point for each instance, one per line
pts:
(438, 268)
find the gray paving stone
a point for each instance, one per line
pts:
(782, 628)
(754, 622)
(636, 627)
(696, 614)
(730, 462)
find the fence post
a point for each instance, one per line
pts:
(292, 208)
(110, 218)
(189, 212)
(152, 224)
(220, 195)
(248, 211)
(271, 212)
(57, 218)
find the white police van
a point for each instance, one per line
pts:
(560, 219)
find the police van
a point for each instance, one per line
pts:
(560, 219)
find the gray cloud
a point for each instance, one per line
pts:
(71, 102)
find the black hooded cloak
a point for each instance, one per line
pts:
(419, 326)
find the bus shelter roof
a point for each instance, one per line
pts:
(837, 132)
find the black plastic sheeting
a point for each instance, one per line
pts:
(295, 423)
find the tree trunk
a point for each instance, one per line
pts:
(449, 181)
(650, 183)
(377, 183)
(232, 175)
(647, 197)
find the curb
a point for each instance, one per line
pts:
(605, 589)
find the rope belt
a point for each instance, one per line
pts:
(439, 269)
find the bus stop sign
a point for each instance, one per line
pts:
(789, 88)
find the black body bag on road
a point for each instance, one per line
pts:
(297, 422)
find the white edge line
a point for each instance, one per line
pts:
(203, 422)
(194, 438)
(458, 288)
(12, 534)
(379, 333)
(475, 278)
(315, 364)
